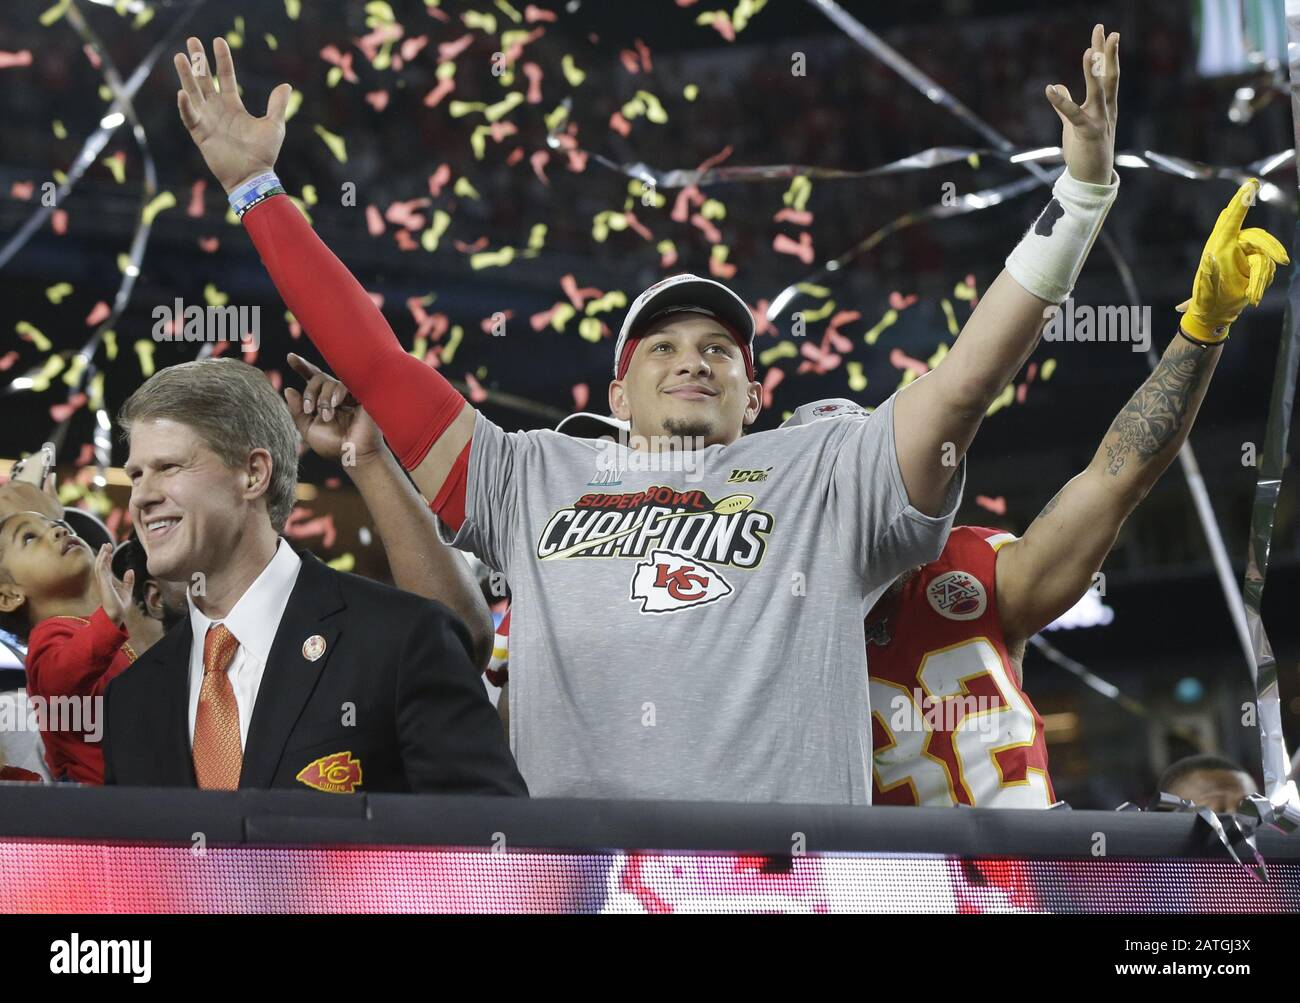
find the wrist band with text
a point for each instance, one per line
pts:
(253, 191)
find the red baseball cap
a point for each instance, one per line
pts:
(686, 292)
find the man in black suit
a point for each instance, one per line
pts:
(285, 673)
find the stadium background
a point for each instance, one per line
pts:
(1170, 645)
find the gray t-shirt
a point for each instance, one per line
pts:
(709, 656)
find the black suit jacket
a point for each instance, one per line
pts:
(393, 704)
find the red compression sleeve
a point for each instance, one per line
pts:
(411, 403)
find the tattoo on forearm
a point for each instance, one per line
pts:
(1155, 415)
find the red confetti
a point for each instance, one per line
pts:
(374, 221)
(439, 178)
(7, 360)
(488, 324)
(8, 59)
(405, 241)
(517, 49)
(578, 296)
(195, 208)
(473, 248)
(532, 14)
(723, 24)
(59, 221)
(91, 55)
(711, 233)
(1021, 391)
(277, 381)
(795, 216)
(405, 214)
(897, 301)
(97, 313)
(998, 505)
(87, 454)
(22, 190)
(377, 100)
(448, 51)
(638, 226)
(720, 269)
(686, 198)
(833, 336)
(477, 395)
(301, 524)
(209, 244)
(534, 74)
(803, 249)
(539, 160)
(629, 60)
(771, 380)
(619, 124)
(516, 155)
(343, 60)
(539, 320)
(643, 51)
(761, 324)
(444, 88)
(577, 161)
(372, 43)
(668, 258)
(62, 412)
(581, 394)
(412, 46)
(901, 360)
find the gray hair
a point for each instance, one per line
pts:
(234, 410)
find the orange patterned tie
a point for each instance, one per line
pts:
(218, 756)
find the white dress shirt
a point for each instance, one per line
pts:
(253, 621)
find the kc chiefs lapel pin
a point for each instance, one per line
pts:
(313, 647)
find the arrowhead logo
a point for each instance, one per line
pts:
(668, 582)
(337, 773)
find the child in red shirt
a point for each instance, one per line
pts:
(79, 621)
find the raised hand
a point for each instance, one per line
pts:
(1236, 267)
(1088, 130)
(329, 419)
(236, 145)
(114, 596)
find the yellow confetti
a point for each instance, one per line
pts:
(56, 293)
(235, 37)
(745, 10)
(445, 71)
(72, 376)
(665, 247)
(509, 12)
(143, 18)
(563, 314)
(293, 104)
(537, 237)
(952, 317)
(492, 259)
(821, 313)
(1049, 367)
(504, 106)
(719, 252)
(41, 381)
(556, 118)
(796, 196)
(453, 342)
(654, 110)
(890, 317)
(909, 376)
(110, 345)
(939, 355)
(485, 22)
(33, 334)
(333, 77)
(160, 202)
(54, 13)
(231, 218)
(116, 167)
(713, 209)
(60, 132)
(962, 291)
(572, 74)
(336, 144)
(96, 394)
(612, 300)
(309, 194)
(144, 351)
(344, 562)
(70, 492)
(1003, 399)
(124, 265)
(589, 329)
(857, 379)
(105, 92)
(379, 13)
(974, 160)
(430, 237)
(420, 348)
(214, 296)
(478, 140)
(690, 92)
(463, 188)
(808, 289)
(60, 177)
(459, 109)
(632, 109)
(271, 43)
(293, 8)
(781, 350)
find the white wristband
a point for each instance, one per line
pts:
(1049, 257)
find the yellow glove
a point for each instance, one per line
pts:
(1237, 266)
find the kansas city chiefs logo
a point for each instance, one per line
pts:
(337, 773)
(958, 595)
(668, 582)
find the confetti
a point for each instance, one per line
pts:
(336, 144)
(98, 313)
(8, 60)
(160, 203)
(58, 292)
(29, 332)
(998, 505)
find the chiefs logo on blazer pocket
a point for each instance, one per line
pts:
(337, 773)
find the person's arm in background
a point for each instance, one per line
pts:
(941, 412)
(1046, 571)
(426, 422)
(421, 563)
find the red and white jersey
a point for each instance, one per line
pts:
(950, 722)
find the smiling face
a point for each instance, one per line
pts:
(190, 510)
(41, 559)
(687, 378)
